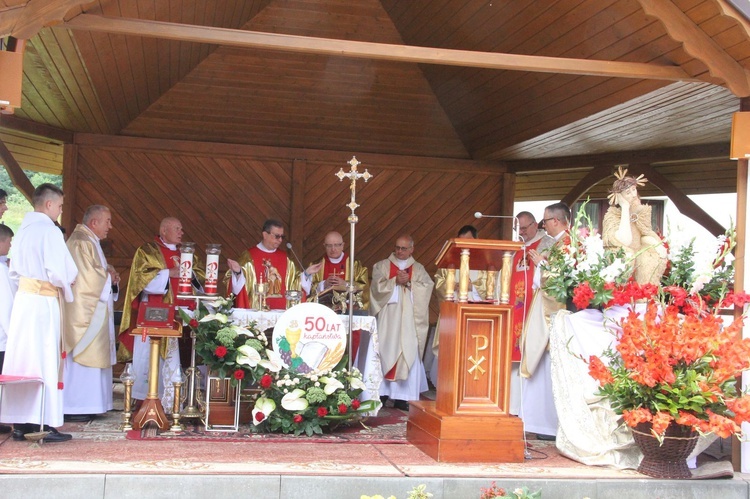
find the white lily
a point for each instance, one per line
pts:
(247, 355)
(239, 330)
(273, 363)
(357, 384)
(332, 384)
(295, 400)
(263, 407)
(215, 317)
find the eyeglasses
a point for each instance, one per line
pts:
(403, 248)
(524, 227)
(276, 236)
(545, 220)
(334, 245)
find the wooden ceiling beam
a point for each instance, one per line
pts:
(586, 183)
(40, 13)
(378, 51)
(8, 19)
(29, 127)
(698, 44)
(705, 151)
(15, 172)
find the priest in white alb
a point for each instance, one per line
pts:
(45, 273)
(89, 332)
(400, 299)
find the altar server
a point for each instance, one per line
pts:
(45, 273)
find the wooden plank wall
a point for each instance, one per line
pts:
(223, 193)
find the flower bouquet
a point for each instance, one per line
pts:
(288, 401)
(692, 285)
(670, 368)
(293, 402)
(233, 351)
(582, 270)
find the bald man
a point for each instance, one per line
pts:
(154, 275)
(332, 273)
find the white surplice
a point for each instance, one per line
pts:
(7, 294)
(34, 336)
(88, 390)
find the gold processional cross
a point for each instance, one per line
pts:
(353, 175)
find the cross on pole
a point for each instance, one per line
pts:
(353, 175)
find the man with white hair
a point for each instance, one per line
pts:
(89, 331)
(400, 298)
(154, 275)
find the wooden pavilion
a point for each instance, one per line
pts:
(227, 112)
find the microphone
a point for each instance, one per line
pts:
(302, 267)
(516, 223)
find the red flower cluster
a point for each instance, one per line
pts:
(355, 404)
(239, 374)
(266, 381)
(259, 416)
(322, 412)
(683, 357)
(193, 323)
(632, 292)
(582, 295)
(342, 408)
(297, 418)
(220, 351)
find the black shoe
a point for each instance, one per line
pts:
(55, 436)
(78, 418)
(549, 438)
(401, 405)
(4, 428)
(18, 435)
(383, 400)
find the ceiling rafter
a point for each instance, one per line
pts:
(728, 10)
(40, 13)
(378, 51)
(698, 44)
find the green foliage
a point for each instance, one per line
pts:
(18, 206)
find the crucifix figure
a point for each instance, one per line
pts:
(353, 175)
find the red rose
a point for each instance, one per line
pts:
(259, 416)
(239, 374)
(220, 351)
(193, 323)
(342, 408)
(266, 381)
(297, 418)
(355, 404)
(322, 411)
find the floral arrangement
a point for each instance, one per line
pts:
(520, 493)
(691, 284)
(226, 348)
(287, 400)
(292, 402)
(582, 270)
(668, 367)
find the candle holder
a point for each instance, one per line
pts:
(185, 283)
(127, 377)
(261, 289)
(212, 269)
(176, 426)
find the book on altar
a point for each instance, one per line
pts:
(313, 353)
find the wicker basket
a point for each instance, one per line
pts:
(668, 459)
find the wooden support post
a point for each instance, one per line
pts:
(297, 218)
(70, 186)
(17, 176)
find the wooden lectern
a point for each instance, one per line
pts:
(469, 420)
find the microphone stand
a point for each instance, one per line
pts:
(353, 175)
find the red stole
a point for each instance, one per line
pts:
(341, 269)
(391, 374)
(520, 289)
(278, 260)
(171, 259)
